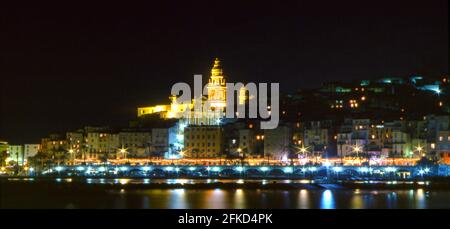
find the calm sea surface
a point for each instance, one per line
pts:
(114, 193)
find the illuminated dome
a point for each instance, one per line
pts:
(217, 69)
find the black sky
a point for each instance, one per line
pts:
(66, 66)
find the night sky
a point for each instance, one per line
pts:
(66, 66)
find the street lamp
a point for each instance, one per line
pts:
(304, 151)
(357, 149)
(71, 152)
(419, 149)
(124, 152)
(239, 150)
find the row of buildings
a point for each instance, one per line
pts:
(384, 118)
(18, 153)
(429, 137)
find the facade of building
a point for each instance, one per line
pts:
(345, 144)
(163, 141)
(277, 143)
(3, 152)
(54, 143)
(364, 135)
(3, 146)
(20, 153)
(443, 144)
(316, 139)
(30, 150)
(318, 136)
(101, 143)
(16, 154)
(401, 144)
(75, 140)
(203, 141)
(247, 140)
(137, 142)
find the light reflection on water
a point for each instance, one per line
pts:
(178, 200)
(124, 181)
(239, 198)
(357, 201)
(182, 181)
(420, 198)
(179, 181)
(303, 200)
(293, 199)
(216, 199)
(327, 200)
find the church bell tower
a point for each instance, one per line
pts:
(217, 95)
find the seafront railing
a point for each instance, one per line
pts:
(340, 172)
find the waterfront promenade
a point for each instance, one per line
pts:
(238, 171)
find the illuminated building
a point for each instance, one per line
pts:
(190, 114)
(30, 150)
(53, 143)
(164, 141)
(75, 140)
(20, 153)
(443, 145)
(277, 142)
(375, 139)
(216, 97)
(203, 141)
(344, 144)
(401, 143)
(3, 146)
(137, 142)
(101, 141)
(163, 109)
(318, 135)
(3, 153)
(177, 110)
(247, 139)
(15, 154)
(197, 119)
(172, 111)
(204, 136)
(217, 91)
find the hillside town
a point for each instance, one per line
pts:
(385, 121)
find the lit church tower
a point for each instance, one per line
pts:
(217, 95)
